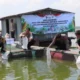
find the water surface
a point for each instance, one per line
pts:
(37, 69)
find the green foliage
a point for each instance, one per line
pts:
(41, 31)
(71, 27)
(22, 21)
(32, 28)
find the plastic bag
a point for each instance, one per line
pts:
(24, 42)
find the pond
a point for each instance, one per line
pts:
(37, 69)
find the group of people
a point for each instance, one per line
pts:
(60, 42)
(27, 34)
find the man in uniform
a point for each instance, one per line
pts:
(29, 35)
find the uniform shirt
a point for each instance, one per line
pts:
(29, 36)
(12, 27)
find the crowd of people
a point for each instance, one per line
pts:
(61, 42)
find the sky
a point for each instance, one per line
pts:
(11, 7)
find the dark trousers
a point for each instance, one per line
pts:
(12, 34)
(2, 46)
(31, 43)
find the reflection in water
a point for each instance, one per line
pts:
(48, 56)
(42, 69)
(25, 73)
(6, 63)
(78, 65)
(10, 76)
(28, 69)
(61, 71)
